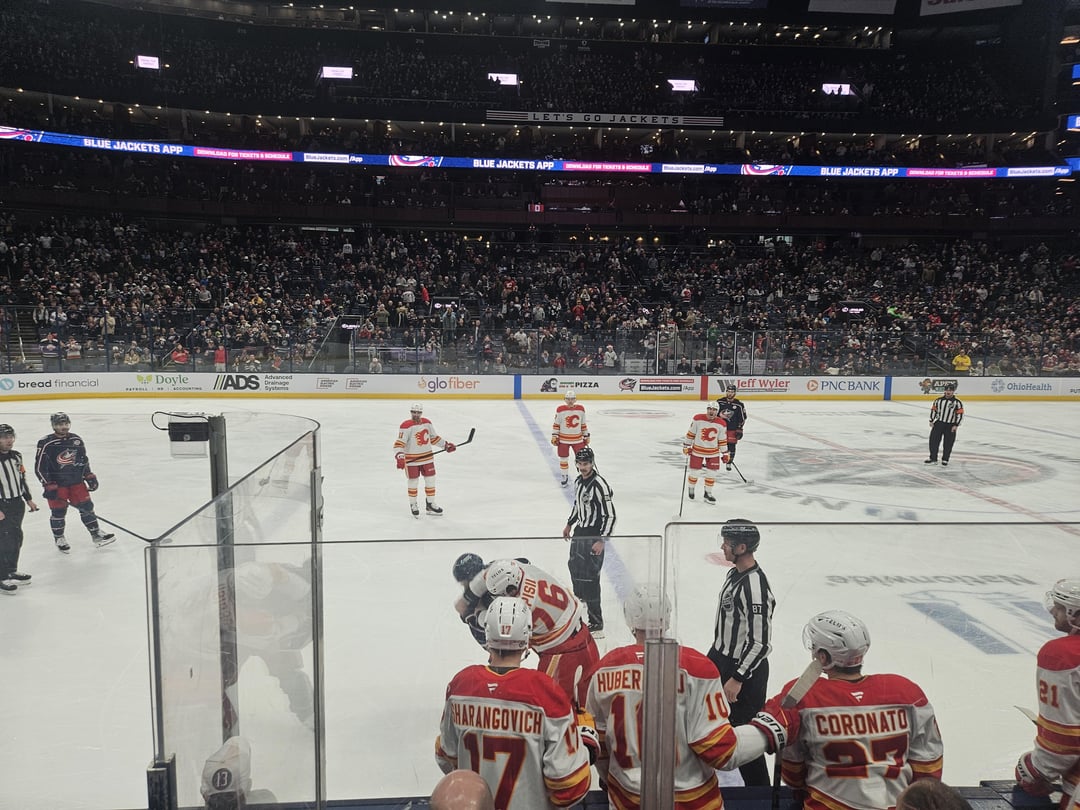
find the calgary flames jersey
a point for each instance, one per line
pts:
(570, 426)
(1057, 742)
(857, 744)
(705, 435)
(704, 740)
(415, 440)
(556, 612)
(518, 730)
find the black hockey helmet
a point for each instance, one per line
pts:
(585, 454)
(467, 566)
(59, 418)
(6, 430)
(731, 388)
(739, 531)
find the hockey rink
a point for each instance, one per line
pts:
(947, 566)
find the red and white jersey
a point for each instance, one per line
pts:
(415, 440)
(1057, 742)
(570, 427)
(857, 744)
(704, 741)
(705, 436)
(556, 612)
(518, 730)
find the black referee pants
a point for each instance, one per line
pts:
(750, 701)
(11, 534)
(938, 433)
(585, 571)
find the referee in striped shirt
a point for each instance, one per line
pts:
(591, 522)
(744, 633)
(14, 501)
(946, 414)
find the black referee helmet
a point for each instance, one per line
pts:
(740, 531)
(6, 430)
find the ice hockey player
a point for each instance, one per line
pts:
(520, 713)
(62, 466)
(570, 432)
(733, 412)
(702, 445)
(412, 450)
(704, 739)
(1057, 742)
(843, 712)
(560, 635)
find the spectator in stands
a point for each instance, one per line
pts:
(961, 362)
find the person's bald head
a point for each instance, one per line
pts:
(462, 790)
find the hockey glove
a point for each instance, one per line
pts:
(585, 439)
(589, 736)
(738, 434)
(1030, 780)
(685, 450)
(554, 441)
(450, 447)
(726, 458)
(91, 482)
(51, 491)
(775, 730)
(400, 461)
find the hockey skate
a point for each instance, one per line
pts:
(432, 509)
(728, 466)
(596, 629)
(690, 494)
(7, 586)
(19, 578)
(62, 544)
(565, 481)
(709, 499)
(101, 538)
(930, 461)
(944, 463)
(415, 509)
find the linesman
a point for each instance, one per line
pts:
(946, 414)
(15, 500)
(591, 522)
(744, 633)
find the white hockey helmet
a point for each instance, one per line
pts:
(1066, 592)
(648, 609)
(228, 770)
(508, 624)
(570, 396)
(416, 407)
(504, 577)
(843, 636)
(712, 406)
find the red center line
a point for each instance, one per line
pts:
(1012, 507)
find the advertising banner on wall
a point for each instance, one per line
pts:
(800, 387)
(615, 386)
(1004, 388)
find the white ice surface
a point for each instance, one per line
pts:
(76, 729)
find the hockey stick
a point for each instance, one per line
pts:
(682, 493)
(472, 432)
(743, 477)
(1028, 713)
(796, 693)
